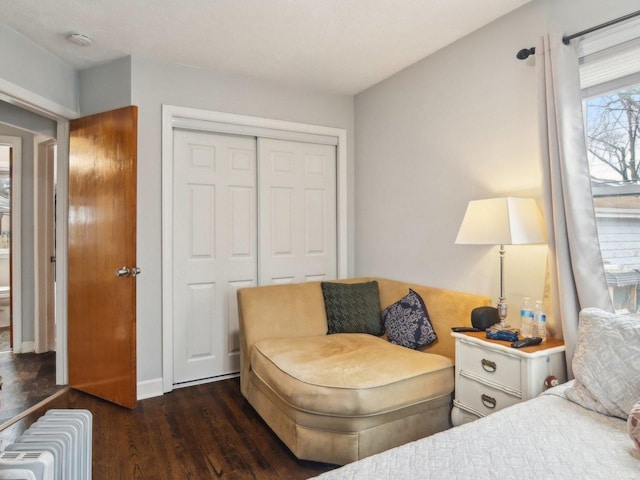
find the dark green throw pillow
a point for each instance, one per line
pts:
(353, 307)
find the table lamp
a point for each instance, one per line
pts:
(501, 221)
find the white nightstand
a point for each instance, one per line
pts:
(491, 375)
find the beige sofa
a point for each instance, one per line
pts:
(341, 397)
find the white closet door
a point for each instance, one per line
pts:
(214, 232)
(297, 212)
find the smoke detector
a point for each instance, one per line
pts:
(80, 39)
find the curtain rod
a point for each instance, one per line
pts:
(526, 52)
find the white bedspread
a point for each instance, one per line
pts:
(545, 438)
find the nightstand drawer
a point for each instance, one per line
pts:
(483, 398)
(491, 365)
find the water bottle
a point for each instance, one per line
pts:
(539, 322)
(526, 319)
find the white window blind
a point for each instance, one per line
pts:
(609, 54)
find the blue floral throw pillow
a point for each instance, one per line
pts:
(407, 322)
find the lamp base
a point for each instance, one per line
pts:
(502, 313)
(502, 326)
(500, 330)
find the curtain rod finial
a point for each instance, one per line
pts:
(525, 53)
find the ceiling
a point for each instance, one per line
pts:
(341, 46)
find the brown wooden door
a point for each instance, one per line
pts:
(102, 239)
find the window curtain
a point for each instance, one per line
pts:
(576, 274)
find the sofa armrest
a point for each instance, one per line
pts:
(278, 311)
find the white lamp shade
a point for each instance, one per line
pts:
(501, 221)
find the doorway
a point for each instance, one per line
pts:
(26, 254)
(28, 377)
(5, 248)
(12, 148)
(55, 119)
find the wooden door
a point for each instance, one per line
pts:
(102, 239)
(214, 249)
(298, 218)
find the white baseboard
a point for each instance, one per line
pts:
(150, 388)
(206, 380)
(28, 347)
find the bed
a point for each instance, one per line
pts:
(586, 428)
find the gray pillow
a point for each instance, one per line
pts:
(606, 363)
(353, 307)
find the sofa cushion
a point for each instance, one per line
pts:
(353, 307)
(349, 374)
(407, 322)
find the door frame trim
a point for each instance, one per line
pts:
(198, 119)
(42, 244)
(23, 98)
(15, 143)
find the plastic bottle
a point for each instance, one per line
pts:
(539, 322)
(526, 319)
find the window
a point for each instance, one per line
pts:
(612, 131)
(610, 82)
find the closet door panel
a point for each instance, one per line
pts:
(297, 219)
(215, 249)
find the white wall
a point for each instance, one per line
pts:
(459, 125)
(154, 84)
(105, 87)
(31, 67)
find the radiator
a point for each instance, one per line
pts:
(56, 447)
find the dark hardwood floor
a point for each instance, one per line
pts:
(27, 378)
(201, 432)
(5, 338)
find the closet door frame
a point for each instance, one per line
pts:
(220, 122)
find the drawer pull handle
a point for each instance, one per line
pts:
(488, 365)
(488, 401)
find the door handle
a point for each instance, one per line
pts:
(123, 272)
(128, 272)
